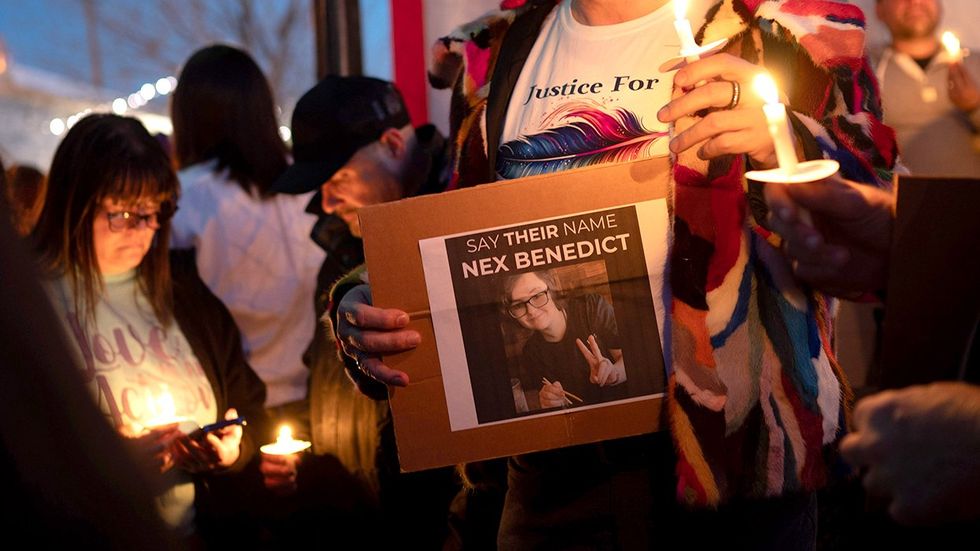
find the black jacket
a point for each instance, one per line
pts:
(213, 336)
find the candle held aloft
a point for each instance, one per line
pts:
(952, 46)
(778, 122)
(683, 27)
(690, 51)
(284, 444)
(790, 170)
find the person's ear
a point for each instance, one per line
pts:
(393, 142)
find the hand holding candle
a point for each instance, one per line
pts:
(790, 170)
(280, 461)
(962, 87)
(724, 116)
(952, 45)
(779, 126)
(163, 411)
(285, 444)
(846, 253)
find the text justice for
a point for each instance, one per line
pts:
(620, 82)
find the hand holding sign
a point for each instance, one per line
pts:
(366, 333)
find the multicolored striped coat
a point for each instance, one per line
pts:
(755, 390)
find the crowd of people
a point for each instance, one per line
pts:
(226, 282)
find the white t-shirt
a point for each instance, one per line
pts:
(258, 258)
(589, 95)
(137, 370)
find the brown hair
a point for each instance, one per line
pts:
(546, 276)
(105, 157)
(23, 194)
(222, 109)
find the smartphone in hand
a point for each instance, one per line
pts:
(201, 433)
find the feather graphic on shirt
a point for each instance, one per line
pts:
(585, 136)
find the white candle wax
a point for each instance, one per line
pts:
(683, 27)
(779, 126)
(284, 444)
(686, 34)
(782, 136)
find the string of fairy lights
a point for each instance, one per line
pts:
(120, 105)
(133, 102)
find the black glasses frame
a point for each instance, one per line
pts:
(518, 309)
(123, 220)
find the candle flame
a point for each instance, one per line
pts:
(165, 408)
(680, 9)
(284, 444)
(162, 410)
(951, 43)
(765, 86)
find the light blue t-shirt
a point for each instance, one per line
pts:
(139, 372)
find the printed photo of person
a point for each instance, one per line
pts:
(571, 354)
(547, 316)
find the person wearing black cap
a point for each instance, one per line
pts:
(353, 139)
(354, 143)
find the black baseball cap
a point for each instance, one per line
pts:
(338, 116)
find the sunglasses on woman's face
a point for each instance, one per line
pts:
(125, 219)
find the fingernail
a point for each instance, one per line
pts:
(812, 241)
(402, 319)
(661, 115)
(785, 213)
(414, 339)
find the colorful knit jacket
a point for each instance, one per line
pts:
(755, 392)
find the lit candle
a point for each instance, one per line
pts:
(163, 411)
(683, 27)
(779, 126)
(284, 444)
(952, 45)
(690, 50)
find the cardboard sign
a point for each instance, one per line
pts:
(518, 287)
